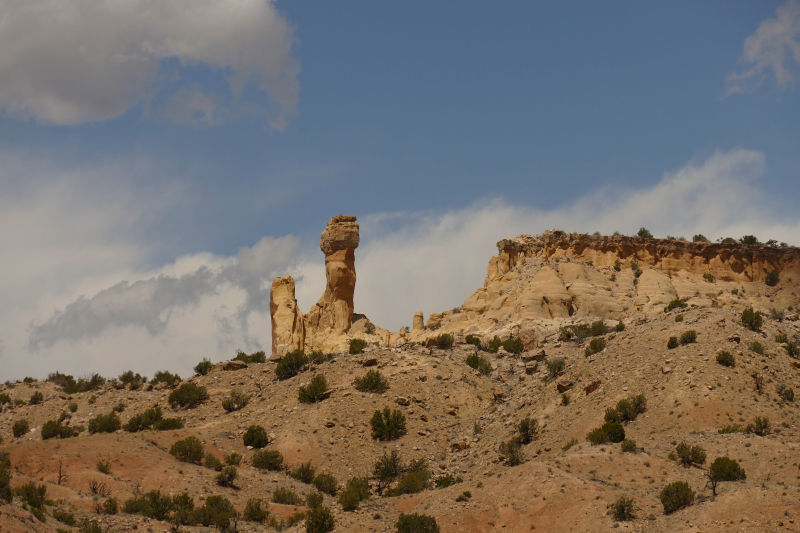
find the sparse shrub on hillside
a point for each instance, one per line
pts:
(699, 238)
(236, 401)
(555, 366)
(724, 469)
(628, 446)
(416, 479)
(511, 451)
(617, 265)
(203, 367)
(620, 326)
(32, 494)
(159, 506)
(70, 386)
(608, 432)
(678, 318)
(286, 497)
(255, 357)
(595, 346)
(119, 407)
(52, 429)
(372, 381)
(792, 348)
(387, 468)
(188, 450)
(733, 428)
(613, 276)
(233, 459)
(749, 239)
(416, 523)
(210, 461)
(105, 423)
(493, 346)
(781, 337)
(369, 327)
(690, 455)
(726, 358)
(473, 340)
(227, 476)
(572, 442)
(756, 347)
(36, 398)
(709, 277)
(4, 399)
(162, 376)
(188, 395)
(133, 379)
(388, 425)
(304, 472)
(357, 346)
(582, 331)
(143, 421)
(752, 320)
(254, 512)
(356, 491)
(676, 496)
(777, 314)
(514, 345)
(319, 520)
(291, 364)
(314, 391)
(255, 436)
(217, 511)
(675, 304)
(528, 429)
(786, 393)
(271, 460)
(565, 399)
(326, 482)
(20, 428)
(447, 480)
(481, 364)
(772, 278)
(6, 493)
(672, 343)
(168, 424)
(644, 233)
(444, 341)
(688, 337)
(760, 426)
(623, 509)
(627, 409)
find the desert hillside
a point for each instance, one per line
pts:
(507, 413)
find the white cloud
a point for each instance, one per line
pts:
(73, 61)
(76, 289)
(775, 47)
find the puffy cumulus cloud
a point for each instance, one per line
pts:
(409, 262)
(74, 61)
(774, 47)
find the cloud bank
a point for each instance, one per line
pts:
(106, 313)
(773, 48)
(74, 61)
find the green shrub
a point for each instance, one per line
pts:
(236, 401)
(608, 432)
(387, 468)
(444, 341)
(792, 349)
(291, 364)
(356, 491)
(512, 452)
(319, 520)
(494, 345)
(227, 476)
(623, 509)
(286, 497)
(595, 346)
(188, 450)
(760, 426)
(725, 358)
(752, 320)
(4, 399)
(326, 483)
(372, 381)
(699, 238)
(481, 364)
(688, 337)
(617, 265)
(64, 517)
(411, 483)
(357, 346)
(304, 472)
(724, 469)
(104, 467)
(756, 347)
(447, 480)
(6, 493)
(733, 428)
(255, 436)
(268, 460)
(168, 424)
(143, 421)
(36, 398)
(155, 505)
(253, 512)
(777, 314)
(514, 345)
(314, 500)
(709, 277)
(32, 494)
(528, 429)
(233, 459)
(203, 367)
(555, 366)
(388, 425)
(628, 446)
(188, 395)
(690, 455)
(20, 428)
(678, 318)
(675, 304)
(620, 326)
(134, 380)
(217, 511)
(70, 386)
(786, 393)
(644, 233)
(672, 343)
(52, 429)
(676, 496)
(162, 376)
(416, 523)
(105, 423)
(255, 357)
(772, 278)
(212, 462)
(314, 391)
(473, 340)
(120, 407)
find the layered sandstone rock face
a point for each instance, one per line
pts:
(333, 313)
(288, 327)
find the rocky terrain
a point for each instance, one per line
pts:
(457, 417)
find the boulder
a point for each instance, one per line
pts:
(564, 386)
(531, 367)
(593, 386)
(233, 365)
(402, 400)
(369, 362)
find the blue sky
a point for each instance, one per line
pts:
(147, 142)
